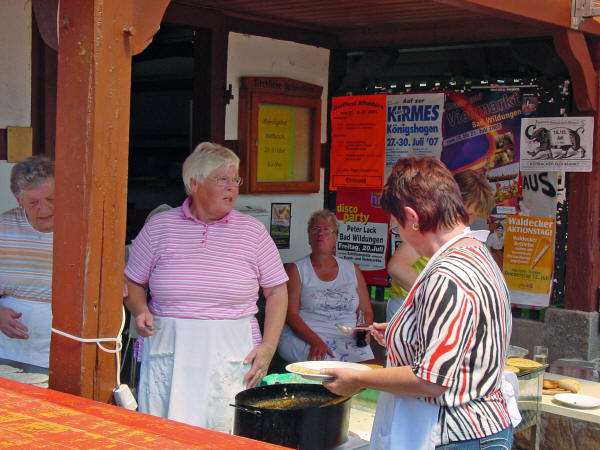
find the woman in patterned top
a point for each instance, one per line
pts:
(446, 346)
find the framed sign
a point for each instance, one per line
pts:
(279, 135)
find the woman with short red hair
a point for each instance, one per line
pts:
(446, 345)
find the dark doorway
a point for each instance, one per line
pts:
(161, 122)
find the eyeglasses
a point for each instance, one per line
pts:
(325, 230)
(226, 181)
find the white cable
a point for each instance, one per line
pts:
(118, 341)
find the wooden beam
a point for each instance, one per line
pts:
(43, 93)
(583, 251)
(97, 40)
(210, 79)
(551, 12)
(572, 48)
(438, 34)
(44, 14)
(200, 17)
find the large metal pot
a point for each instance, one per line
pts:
(302, 416)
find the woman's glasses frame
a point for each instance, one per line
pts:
(226, 181)
(327, 231)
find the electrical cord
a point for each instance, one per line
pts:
(118, 341)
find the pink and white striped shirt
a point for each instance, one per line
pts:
(204, 271)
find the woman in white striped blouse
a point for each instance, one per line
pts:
(446, 345)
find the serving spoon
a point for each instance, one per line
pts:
(348, 330)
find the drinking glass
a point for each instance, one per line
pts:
(540, 354)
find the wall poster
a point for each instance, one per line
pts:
(363, 232)
(414, 126)
(281, 218)
(529, 258)
(557, 144)
(358, 142)
(482, 129)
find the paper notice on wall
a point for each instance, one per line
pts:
(276, 133)
(414, 126)
(528, 262)
(363, 232)
(357, 142)
(557, 144)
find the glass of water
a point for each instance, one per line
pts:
(540, 354)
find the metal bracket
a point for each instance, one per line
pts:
(228, 94)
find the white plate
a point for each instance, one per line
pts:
(516, 352)
(27, 378)
(299, 367)
(4, 368)
(578, 400)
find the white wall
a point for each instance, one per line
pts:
(15, 78)
(259, 56)
(302, 207)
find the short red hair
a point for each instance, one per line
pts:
(427, 186)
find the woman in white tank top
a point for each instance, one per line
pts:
(324, 290)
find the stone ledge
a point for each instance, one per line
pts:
(572, 334)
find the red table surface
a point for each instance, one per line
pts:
(33, 417)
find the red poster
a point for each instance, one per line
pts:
(363, 234)
(358, 142)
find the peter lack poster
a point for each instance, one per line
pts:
(557, 144)
(363, 232)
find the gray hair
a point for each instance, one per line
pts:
(30, 173)
(203, 160)
(323, 214)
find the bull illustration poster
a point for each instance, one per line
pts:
(557, 144)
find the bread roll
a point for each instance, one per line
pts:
(569, 384)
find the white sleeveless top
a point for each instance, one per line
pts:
(322, 305)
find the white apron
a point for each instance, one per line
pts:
(192, 369)
(35, 350)
(408, 423)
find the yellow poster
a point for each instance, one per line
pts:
(276, 142)
(529, 253)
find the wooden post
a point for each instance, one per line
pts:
(210, 78)
(97, 40)
(583, 251)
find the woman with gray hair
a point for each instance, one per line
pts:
(325, 290)
(26, 264)
(203, 264)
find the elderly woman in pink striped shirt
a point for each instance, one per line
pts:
(202, 265)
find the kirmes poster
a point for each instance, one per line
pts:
(363, 232)
(414, 126)
(358, 142)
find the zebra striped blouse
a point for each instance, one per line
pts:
(453, 330)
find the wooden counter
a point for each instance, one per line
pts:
(33, 417)
(587, 388)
